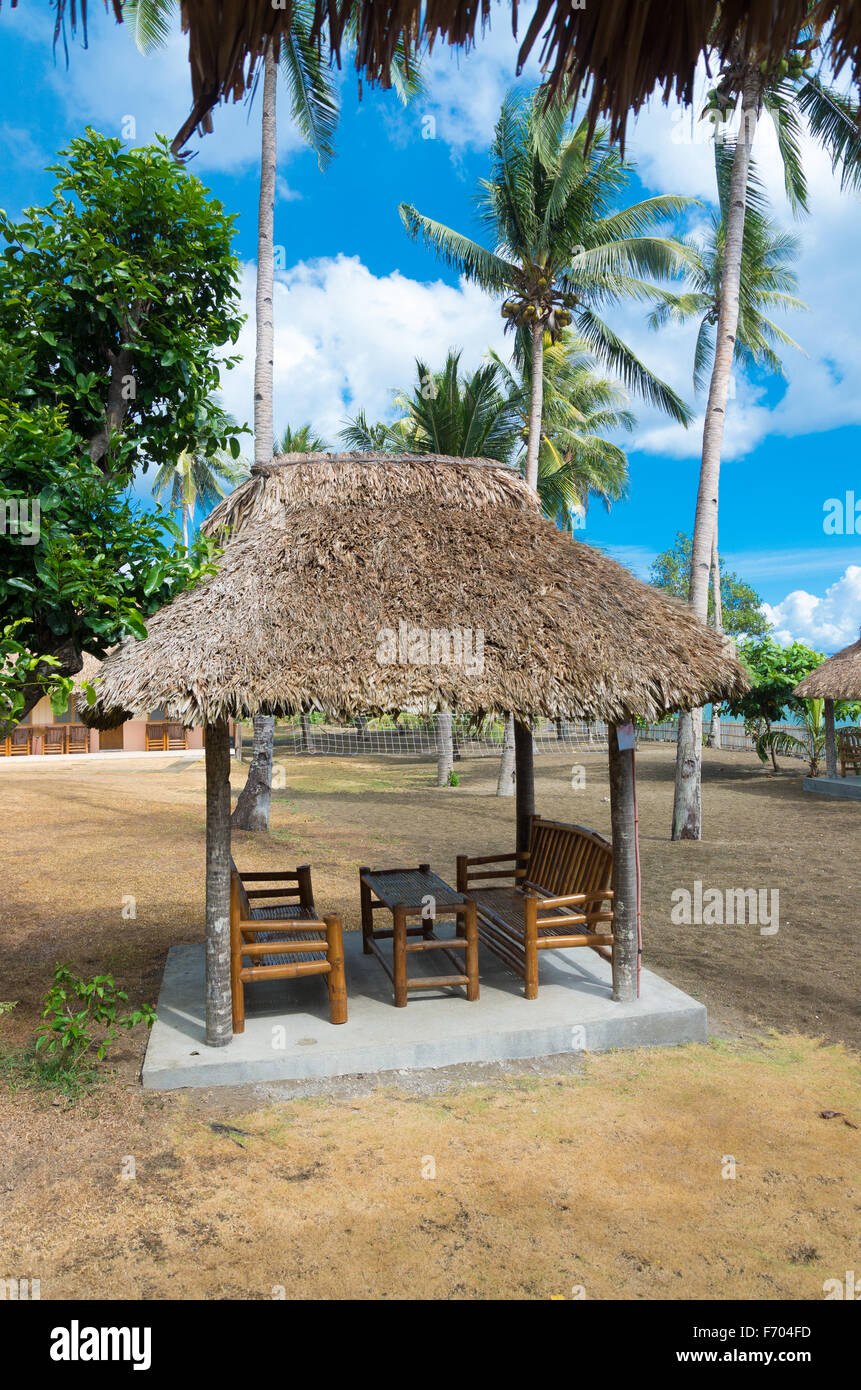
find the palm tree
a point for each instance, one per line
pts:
(791, 94)
(300, 441)
(315, 111)
(575, 461)
(766, 286)
(560, 251)
(445, 413)
(197, 479)
(767, 280)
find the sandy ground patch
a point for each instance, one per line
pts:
(605, 1175)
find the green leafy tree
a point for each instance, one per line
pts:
(775, 672)
(792, 94)
(122, 294)
(742, 614)
(561, 247)
(97, 564)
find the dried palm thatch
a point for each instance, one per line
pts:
(621, 49)
(839, 678)
(358, 583)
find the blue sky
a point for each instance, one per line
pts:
(357, 301)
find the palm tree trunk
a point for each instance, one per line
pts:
(219, 1021)
(536, 404)
(444, 748)
(687, 805)
(505, 781)
(714, 739)
(252, 808)
(524, 771)
(524, 787)
(184, 510)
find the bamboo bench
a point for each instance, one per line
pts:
(558, 896)
(849, 749)
(294, 941)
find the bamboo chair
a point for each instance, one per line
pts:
(559, 895)
(156, 738)
(20, 741)
(849, 749)
(283, 940)
(77, 738)
(176, 737)
(54, 740)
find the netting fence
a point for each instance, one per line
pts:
(414, 736)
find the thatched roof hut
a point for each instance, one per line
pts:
(623, 51)
(838, 678)
(370, 583)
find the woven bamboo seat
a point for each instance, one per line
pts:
(293, 925)
(559, 896)
(849, 750)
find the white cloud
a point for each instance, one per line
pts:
(345, 338)
(827, 623)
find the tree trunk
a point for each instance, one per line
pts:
(536, 405)
(830, 741)
(714, 738)
(305, 736)
(219, 1019)
(623, 820)
(252, 809)
(444, 748)
(524, 783)
(687, 805)
(505, 780)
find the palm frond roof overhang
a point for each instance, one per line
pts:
(619, 51)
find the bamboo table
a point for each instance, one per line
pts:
(417, 892)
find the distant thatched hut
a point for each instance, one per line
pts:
(360, 583)
(838, 678)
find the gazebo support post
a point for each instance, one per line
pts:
(524, 783)
(830, 741)
(623, 821)
(219, 1013)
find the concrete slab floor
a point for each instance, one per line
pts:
(288, 1035)
(848, 787)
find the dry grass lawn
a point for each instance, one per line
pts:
(331, 1194)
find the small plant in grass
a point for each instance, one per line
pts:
(453, 779)
(82, 1017)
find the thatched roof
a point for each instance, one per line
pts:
(839, 678)
(623, 49)
(334, 559)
